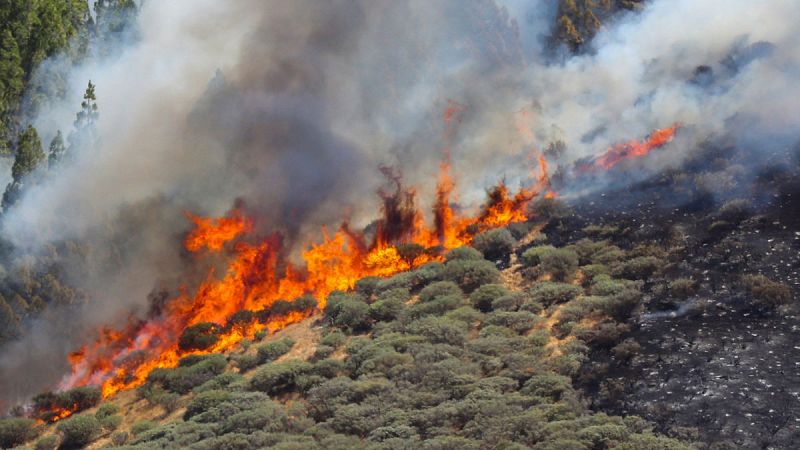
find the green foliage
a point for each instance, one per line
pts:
(439, 289)
(105, 410)
(200, 336)
(348, 312)
(333, 339)
(483, 297)
(15, 431)
(638, 268)
(559, 263)
(470, 274)
(495, 244)
(182, 379)
(77, 399)
(142, 426)
(277, 378)
(550, 293)
(463, 253)
(119, 438)
(274, 350)
(77, 431)
(533, 256)
(202, 402)
(46, 443)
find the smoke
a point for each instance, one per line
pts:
(289, 107)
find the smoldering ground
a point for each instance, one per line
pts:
(291, 106)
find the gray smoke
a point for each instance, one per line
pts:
(289, 107)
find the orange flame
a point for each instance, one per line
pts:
(213, 233)
(631, 150)
(259, 274)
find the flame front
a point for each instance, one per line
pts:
(258, 275)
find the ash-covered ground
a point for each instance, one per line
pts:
(714, 366)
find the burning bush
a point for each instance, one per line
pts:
(200, 336)
(51, 406)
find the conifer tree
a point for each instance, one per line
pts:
(84, 133)
(28, 157)
(57, 150)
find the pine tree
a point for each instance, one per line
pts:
(11, 84)
(29, 154)
(84, 133)
(57, 150)
(28, 157)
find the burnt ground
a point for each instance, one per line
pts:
(712, 367)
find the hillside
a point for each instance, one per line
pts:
(453, 355)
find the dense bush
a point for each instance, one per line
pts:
(463, 253)
(77, 399)
(277, 378)
(348, 312)
(77, 431)
(470, 274)
(199, 336)
(182, 379)
(483, 297)
(638, 268)
(550, 293)
(440, 288)
(15, 431)
(273, 350)
(495, 244)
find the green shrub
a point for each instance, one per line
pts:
(495, 244)
(548, 385)
(224, 380)
(483, 296)
(550, 293)
(78, 431)
(638, 268)
(560, 263)
(471, 274)
(142, 426)
(246, 362)
(119, 438)
(333, 339)
(441, 305)
(386, 310)
(519, 321)
(106, 410)
(273, 350)
(437, 289)
(608, 255)
(322, 352)
(348, 312)
(463, 253)
(367, 286)
(440, 330)
(112, 422)
(183, 379)
(533, 256)
(278, 378)
(201, 402)
(46, 443)
(465, 314)
(509, 302)
(15, 431)
(200, 336)
(767, 294)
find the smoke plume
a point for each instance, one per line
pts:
(289, 108)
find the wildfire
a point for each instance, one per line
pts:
(632, 149)
(213, 233)
(258, 276)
